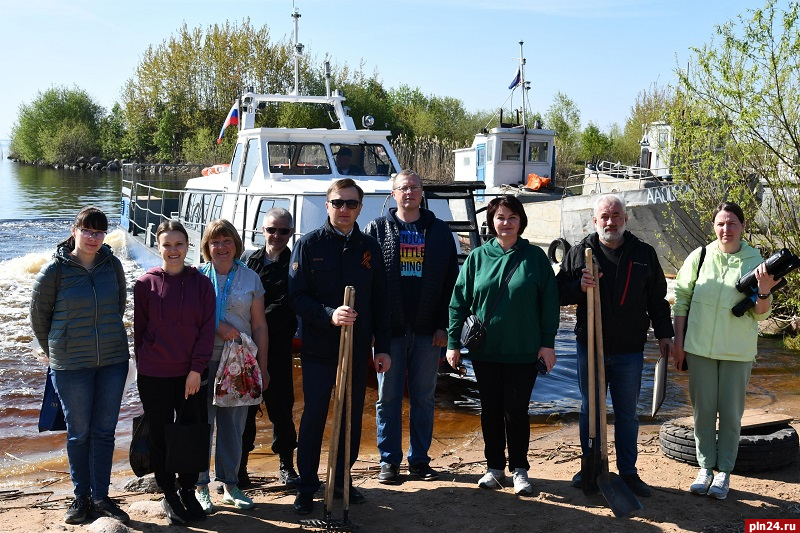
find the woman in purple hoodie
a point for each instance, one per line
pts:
(173, 328)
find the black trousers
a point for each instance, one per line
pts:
(161, 399)
(279, 399)
(505, 393)
(319, 380)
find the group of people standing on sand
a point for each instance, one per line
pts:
(410, 306)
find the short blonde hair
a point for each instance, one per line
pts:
(215, 230)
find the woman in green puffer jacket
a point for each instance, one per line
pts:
(76, 313)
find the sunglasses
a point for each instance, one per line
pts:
(279, 231)
(338, 203)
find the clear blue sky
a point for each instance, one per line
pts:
(600, 53)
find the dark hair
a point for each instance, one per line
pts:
(215, 230)
(90, 217)
(509, 202)
(171, 225)
(730, 207)
(345, 183)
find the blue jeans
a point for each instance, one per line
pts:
(230, 426)
(412, 355)
(624, 380)
(91, 398)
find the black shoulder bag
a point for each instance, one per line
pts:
(473, 331)
(685, 365)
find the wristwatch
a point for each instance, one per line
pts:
(763, 296)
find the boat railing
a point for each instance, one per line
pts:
(596, 181)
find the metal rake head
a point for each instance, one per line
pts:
(328, 524)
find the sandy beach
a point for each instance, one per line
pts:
(454, 502)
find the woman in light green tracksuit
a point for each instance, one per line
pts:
(719, 347)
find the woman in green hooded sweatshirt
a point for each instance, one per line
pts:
(520, 331)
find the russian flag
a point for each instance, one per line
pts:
(516, 80)
(231, 120)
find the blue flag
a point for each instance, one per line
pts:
(516, 80)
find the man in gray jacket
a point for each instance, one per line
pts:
(421, 269)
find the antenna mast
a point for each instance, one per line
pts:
(298, 50)
(525, 87)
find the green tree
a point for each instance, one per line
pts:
(595, 145)
(112, 134)
(736, 128)
(68, 143)
(198, 75)
(564, 117)
(650, 106)
(53, 112)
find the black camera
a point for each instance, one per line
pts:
(778, 264)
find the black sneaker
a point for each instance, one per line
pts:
(423, 471)
(390, 474)
(174, 509)
(78, 511)
(355, 495)
(303, 503)
(193, 507)
(287, 475)
(637, 486)
(107, 507)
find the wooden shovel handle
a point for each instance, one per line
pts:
(601, 371)
(342, 372)
(590, 321)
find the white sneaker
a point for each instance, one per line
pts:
(234, 496)
(720, 485)
(521, 483)
(702, 482)
(492, 479)
(204, 499)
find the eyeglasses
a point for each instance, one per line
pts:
(279, 231)
(409, 188)
(338, 203)
(92, 234)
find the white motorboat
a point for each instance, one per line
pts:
(279, 167)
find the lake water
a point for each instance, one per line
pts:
(36, 208)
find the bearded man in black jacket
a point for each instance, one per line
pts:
(633, 294)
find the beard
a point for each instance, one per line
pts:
(612, 235)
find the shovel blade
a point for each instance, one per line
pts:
(618, 495)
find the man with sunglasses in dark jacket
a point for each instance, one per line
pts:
(271, 263)
(324, 262)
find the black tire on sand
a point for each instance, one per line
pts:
(773, 447)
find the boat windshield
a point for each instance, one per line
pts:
(362, 159)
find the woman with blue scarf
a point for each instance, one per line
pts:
(240, 309)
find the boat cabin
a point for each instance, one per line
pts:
(507, 156)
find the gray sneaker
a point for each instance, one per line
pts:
(702, 482)
(720, 486)
(492, 479)
(522, 485)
